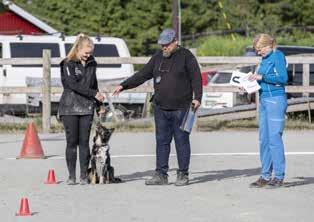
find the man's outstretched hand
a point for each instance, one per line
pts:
(117, 90)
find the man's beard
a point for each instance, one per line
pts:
(166, 54)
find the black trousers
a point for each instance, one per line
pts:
(77, 132)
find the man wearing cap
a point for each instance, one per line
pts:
(177, 84)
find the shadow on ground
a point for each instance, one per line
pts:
(301, 181)
(206, 176)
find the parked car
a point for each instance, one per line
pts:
(207, 75)
(214, 100)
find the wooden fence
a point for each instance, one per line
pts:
(47, 61)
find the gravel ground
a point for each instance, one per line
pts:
(222, 166)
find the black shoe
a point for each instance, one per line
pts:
(71, 181)
(84, 181)
(157, 179)
(275, 183)
(182, 178)
(261, 182)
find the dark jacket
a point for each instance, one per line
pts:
(80, 87)
(176, 78)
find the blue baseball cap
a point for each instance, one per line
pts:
(166, 36)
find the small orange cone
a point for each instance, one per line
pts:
(31, 146)
(24, 208)
(51, 179)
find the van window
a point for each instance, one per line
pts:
(33, 50)
(101, 50)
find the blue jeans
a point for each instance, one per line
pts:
(168, 126)
(271, 125)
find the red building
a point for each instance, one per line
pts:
(15, 20)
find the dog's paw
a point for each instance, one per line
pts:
(101, 180)
(117, 180)
(93, 179)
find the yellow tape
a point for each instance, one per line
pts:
(220, 4)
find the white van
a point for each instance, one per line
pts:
(30, 46)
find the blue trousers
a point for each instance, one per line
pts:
(271, 125)
(167, 127)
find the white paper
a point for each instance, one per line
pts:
(249, 86)
(240, 79)
(235, 78)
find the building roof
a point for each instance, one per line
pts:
(29, 17)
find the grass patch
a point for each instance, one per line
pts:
(298, 38)
(148, 125)
(138, 126)
(250, 124)
(57, 127)
(225, 46)
(12, 127)
(216, 125)
(21, 127)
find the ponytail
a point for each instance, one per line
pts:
(80, 40)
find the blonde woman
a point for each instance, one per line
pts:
(77, 104)
(272, 77)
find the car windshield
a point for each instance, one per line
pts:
(222, 78)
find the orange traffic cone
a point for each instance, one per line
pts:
(51, 179)
(24, 208)
(31, 145)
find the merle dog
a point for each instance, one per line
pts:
(101, 170)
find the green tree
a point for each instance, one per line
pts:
(136, 21)
(139, 22)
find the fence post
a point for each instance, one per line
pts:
(46, 90)
(306, 77)
(306, 82)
